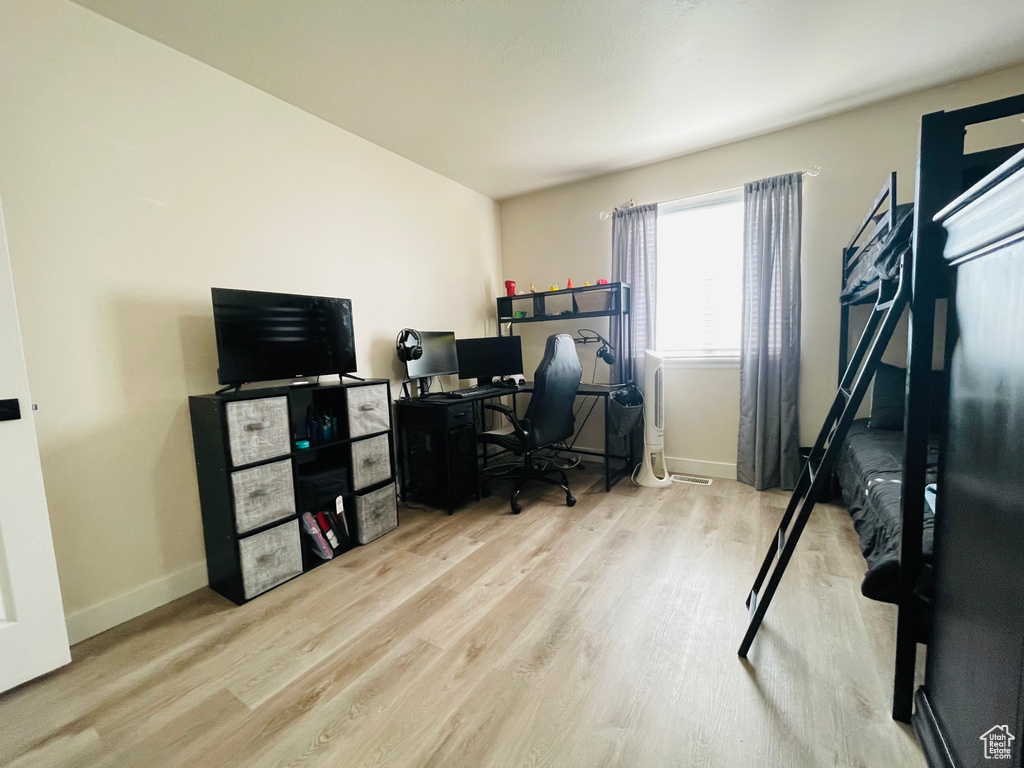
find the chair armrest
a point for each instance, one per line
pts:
(499, 407)
(510, 415)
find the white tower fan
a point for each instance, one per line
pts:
(654, 424)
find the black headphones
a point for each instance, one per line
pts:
(409, 345)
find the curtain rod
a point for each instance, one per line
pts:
(605, 215)
(814, 170)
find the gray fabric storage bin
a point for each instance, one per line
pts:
(270, 558)
(368, 409)
(375, 513)
(262, 495)
(371, 462)
(258, 429)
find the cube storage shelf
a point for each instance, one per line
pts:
(250, 477)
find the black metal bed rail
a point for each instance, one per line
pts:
(881, 229)
(883, 225)
(852, 254)
(990, 110)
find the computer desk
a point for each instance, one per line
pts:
(619, 461)
(437, 428)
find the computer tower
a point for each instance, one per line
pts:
(438, 453)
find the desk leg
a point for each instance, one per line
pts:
(478, 424)
(634, 444)
(607, 462)
(449, 471)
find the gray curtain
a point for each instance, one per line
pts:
(769, 442)
(635, 261)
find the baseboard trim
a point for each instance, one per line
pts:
(721, 469)
(90, 621)
(929, 734)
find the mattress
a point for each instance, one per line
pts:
(882, 260)
(869, 467)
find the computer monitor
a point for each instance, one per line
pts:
(485, 358)
(439, 356)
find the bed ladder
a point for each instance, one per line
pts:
(814, 477)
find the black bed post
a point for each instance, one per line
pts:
(844, 323)
(938, 182)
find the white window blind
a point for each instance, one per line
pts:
(700, 276)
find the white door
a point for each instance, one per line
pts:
(33, 636)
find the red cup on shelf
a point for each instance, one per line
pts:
(510, 287)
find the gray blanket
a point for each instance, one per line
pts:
(869, 468)
(882, 260)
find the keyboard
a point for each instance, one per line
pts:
(479, 391)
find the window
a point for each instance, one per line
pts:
(700, 276)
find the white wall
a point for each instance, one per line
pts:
(135, 178)
(554, 234)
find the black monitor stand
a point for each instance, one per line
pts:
(425, 393)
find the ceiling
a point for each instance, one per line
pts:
(508, 96)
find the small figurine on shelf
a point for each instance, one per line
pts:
(569, 285)
(586, 283)
(602, 281)
(553, 288)
(533, 288)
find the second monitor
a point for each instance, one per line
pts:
(437, 358)
(488, 357)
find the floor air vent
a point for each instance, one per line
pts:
(691, 479)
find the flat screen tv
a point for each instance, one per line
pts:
(263, 336)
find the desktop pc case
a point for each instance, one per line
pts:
(437, 452)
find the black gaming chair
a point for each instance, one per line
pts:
(549, 418)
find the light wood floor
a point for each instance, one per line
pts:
(601, 635)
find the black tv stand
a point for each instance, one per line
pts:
(257, 463)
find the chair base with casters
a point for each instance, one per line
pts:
(549, 418)
(527, 472)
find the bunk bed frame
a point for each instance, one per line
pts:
(855, 251)
(944, 171)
